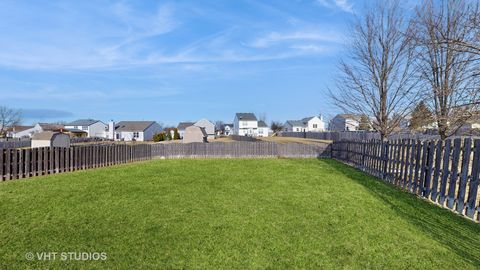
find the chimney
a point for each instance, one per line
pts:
(111, 130)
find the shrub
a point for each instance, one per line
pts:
(176, 135)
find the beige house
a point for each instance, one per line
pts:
(195, 134)
(50, 139)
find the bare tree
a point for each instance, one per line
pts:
(276, 126)
(8, 118)
(262, 117)
(377, 80)
(448, 70)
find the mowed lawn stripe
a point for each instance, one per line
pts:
(230, 214)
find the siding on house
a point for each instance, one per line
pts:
(345, 122)
(245, 124)
(208, 126)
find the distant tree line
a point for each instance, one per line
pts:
(423, 64)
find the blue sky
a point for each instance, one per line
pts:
(170, 61)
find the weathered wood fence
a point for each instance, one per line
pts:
(445, 172)
(333, 135)
(240, 149)
(15, 143)
(243, 138)
(24, 163)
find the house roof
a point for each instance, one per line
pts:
(306, 119)
(262, 124)
(349, 116)
(82, 122)
(51, 127)
(19, 128)
(184, 125)
(246, 116)
(133, 125)
(45, 135)
(297, 123)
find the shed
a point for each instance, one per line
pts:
(50, 139)
(194, 134)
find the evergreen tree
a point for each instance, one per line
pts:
(421, 117)
(364, 123)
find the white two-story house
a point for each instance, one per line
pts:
(92, 128)
(245, 124)
(307, 124)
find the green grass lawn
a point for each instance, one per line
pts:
(230, 214)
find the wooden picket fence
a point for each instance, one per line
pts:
(24, 163)
(445, 172)
(240, 150)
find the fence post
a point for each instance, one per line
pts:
(385, 147)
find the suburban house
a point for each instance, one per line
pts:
(345, 122)
(136, 130)
(195, 134)
(13, 131)
(208, 126)
(307, 124)
(182, 126)
(245, 124)
(86, 128)
(39, 127)
(263, 129)
(228, 129)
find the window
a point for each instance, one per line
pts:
(244, 123)
(260, 131)
(84, 127)
(118, 136)
(135, 134)
(298, 129)
(315, 125)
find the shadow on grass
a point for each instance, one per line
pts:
(462, 236)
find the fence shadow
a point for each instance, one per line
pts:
(460, 235)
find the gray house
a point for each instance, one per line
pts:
(345, 122)
(195, 134)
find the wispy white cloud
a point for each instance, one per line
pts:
(341, 4)
(124, 36)
(80, 40)
(276, 37)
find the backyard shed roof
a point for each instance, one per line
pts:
(45, 135)
(51, 127)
